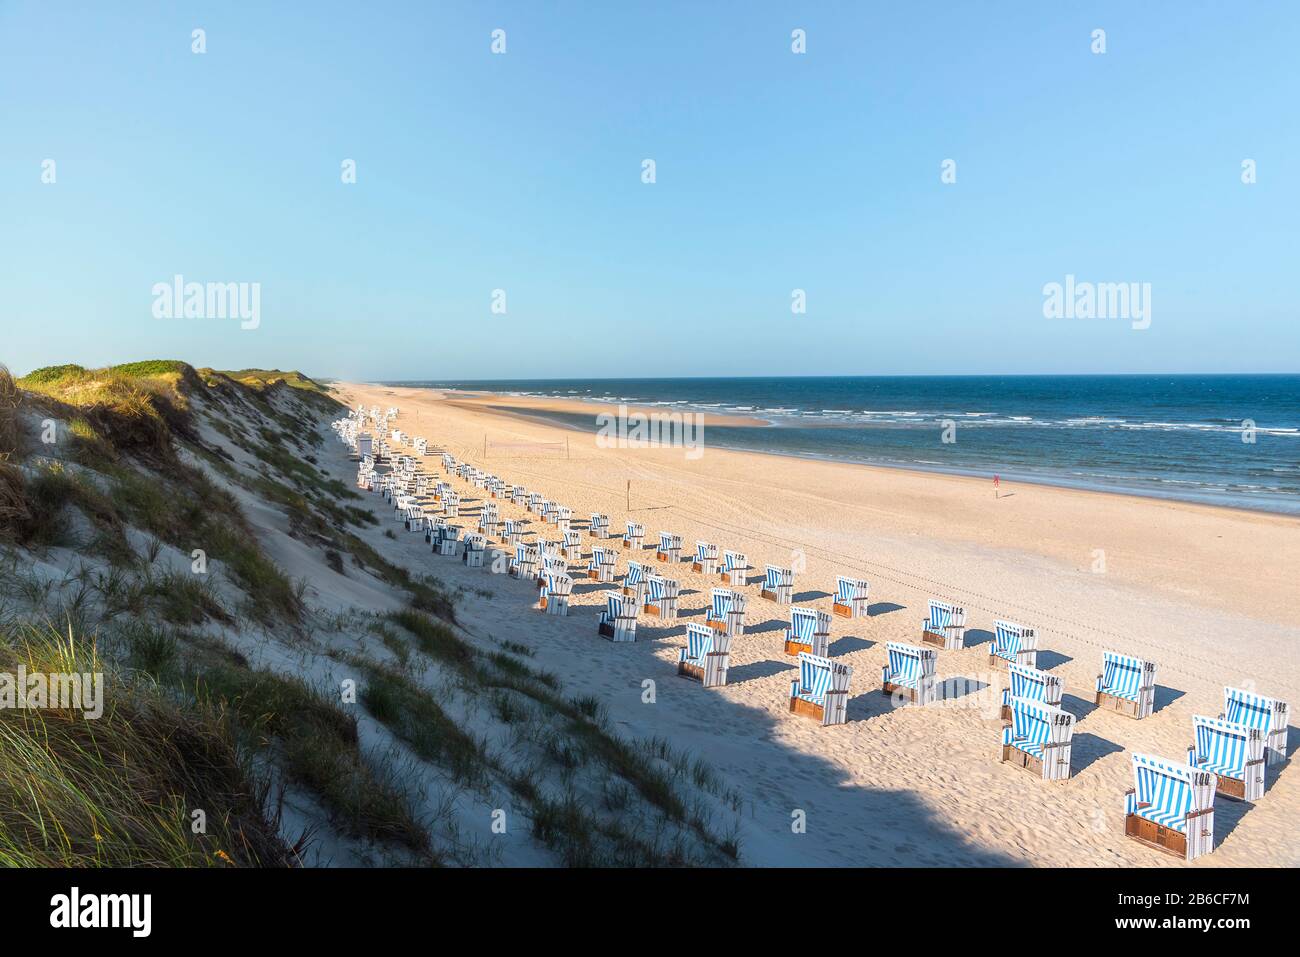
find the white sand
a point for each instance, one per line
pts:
(1207, 593)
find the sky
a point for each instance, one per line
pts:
(775, 171)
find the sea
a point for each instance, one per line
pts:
(1231, 440)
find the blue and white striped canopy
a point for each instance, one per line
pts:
(803, 623)
(1220, 746)
(1122, 675)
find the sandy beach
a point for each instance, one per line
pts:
(1205, 592)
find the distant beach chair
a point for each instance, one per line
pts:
(634, 538)
(511, 533)
(554, 598)
(550, 512)
(1030, 683)
(726, 612)
(850, 597)
(599, 527)
(414, 518)
(618, 620)
(822, 689)
(563, 516)
(661, 597)
(910, 672)
(945, 626)
(1270, 715)
(635, 579)
(572, 547)
(472, 555)
(448, 537)
(1038, 738)
(1170, 807)
(534, 503)
(451, 504)
(670, 548)
(734, 566)
(488, 518)
(705, 657)
(778, 585)
(1233, 752)
(1127, 685)
(809, 631)
(601, 566)
(1013, 644)
(518, 494)
(706, 558)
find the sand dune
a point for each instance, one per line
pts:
(1205, 592)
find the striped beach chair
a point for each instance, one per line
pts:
(1032, 684)
(518, 495)
(563, 516)
(706, 558)
(524, 565)
(448, 541)
(734, 566)
(634, 537)
(599, 527)
(670, 548)
(618, 620)
(945, 626)
(1170, 807)
(1038, 738)
(635, 579)
(511, 532)
(850, 597)
(571, 546)
(414, 518)
(706, 656)
(451, 504)
(1127, 685)
(1013, 644)
(778, 584)
(601, 566)
(554, 596)
(726, 612)
(1233, 752)
(809, 631)
(822, 689)
(550, 512)
(661, 596)
(534, 505)
(1270, 715)
(488, 519)
(909, 672)
(472, 553)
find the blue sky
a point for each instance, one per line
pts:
(775, 171)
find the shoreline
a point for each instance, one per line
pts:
(539, 409)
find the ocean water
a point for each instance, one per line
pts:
(1179, 437)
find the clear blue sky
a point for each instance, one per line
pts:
(775, 172)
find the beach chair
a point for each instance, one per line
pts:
(726, 612)
(618, 620)
(534, 503)
(635, 579)
(518, 495)
(634, 538)
(706, 558)
(563, 516)
(488, 518)
(1030, 683)
(414, 518)
(661, 596)
(599, 527)
(910, 672)
(549, 512)
(511, 533)
(822, 689)
(1270, 715)
(850, 597)
(1232, 752)
(571, 546)
(810, 631)
(451, 504)
(705, 657)
(524, 565)
(433, 530)
(734, 566)
(601, 566)
(472, 554)
(1170, 807)
(778, 585)
(554, 597)
(1127, 685)
(945, 626)
(1013, 644)
(670, 548)
(1038, 738)
(365, 445)
(448, 537)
